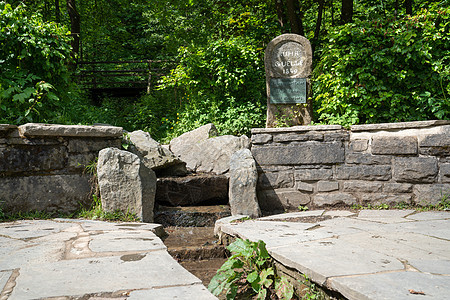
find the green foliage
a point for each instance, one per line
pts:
(386, 70)
(249, 271)
(223, 83)
(33, 62)
(96, 212)
(303, 208)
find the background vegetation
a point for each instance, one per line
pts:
(374, 61)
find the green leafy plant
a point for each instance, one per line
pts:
(34, 56)
(386, 70)
(303, 207)
(249, 271)
(310, 292)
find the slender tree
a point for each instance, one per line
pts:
(295, 20)
(75, 26)
(347, 11)
(408, 7)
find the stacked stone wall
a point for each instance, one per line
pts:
(42, 167)
(374, 164)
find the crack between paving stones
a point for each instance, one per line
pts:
(10, 284)
(175, 285)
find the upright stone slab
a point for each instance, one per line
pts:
(125, 183)
(242, 190)
(288, 60)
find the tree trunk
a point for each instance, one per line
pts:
(75, 26)
(319, 21)
(280, 14)
(294, 18)
(57, 12)
(408, 7)
(347, 11)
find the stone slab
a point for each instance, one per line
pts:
(396, 285)
(100, 274)
(396, 126)
(35, 129)
(4, 277)
(434, 266)
(286, 216)
(126, 240)
(195, 291)
(331, 257)
(296, 129)
(430, 215)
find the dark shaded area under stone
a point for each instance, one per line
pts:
(191, 216)
(198, 189)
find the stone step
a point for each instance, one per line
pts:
(190, 216)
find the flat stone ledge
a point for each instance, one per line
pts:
(5, 127)
(297, 129)
(35, 129)
(396, 126)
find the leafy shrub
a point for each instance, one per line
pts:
(33, 62)
(249, 271)
(223, 83)
(386, 70)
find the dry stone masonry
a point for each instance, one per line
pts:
(42, 167)
(374, 164)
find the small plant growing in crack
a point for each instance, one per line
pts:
(249, 272)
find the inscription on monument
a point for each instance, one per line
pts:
(288, 59)
(287, 90)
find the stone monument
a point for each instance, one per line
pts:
(288, 60)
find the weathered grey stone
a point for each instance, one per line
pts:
(337, 136)
(276, 180)
(313, 174)
(153, 155)
(399, 125)
(397, 188)
(380, 198)
(35, 129)
(192, 190)
(327, 186)
(444, 172)
(363, 172)
(261, 138)
(203, 154)
(394, 145)
(181, 144)
(304, 187)
(279, 200)
(55, 193)
(362, 186)
(426, 194)
(303, 153)
(436, 140)
(333, 199)
(415, 169)
(243, 179)
(125, 183)
(367, 159)
(359, 145)
(298, 137)
(288, 56)
(81, 160)
(32, 159)
(296, 129)
(78, 145)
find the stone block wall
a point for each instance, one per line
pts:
(42, 167)
(328, 165)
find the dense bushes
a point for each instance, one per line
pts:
(386, 70)
(223, 83)
(33, 60)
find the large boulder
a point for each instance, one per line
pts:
(154, 156)
(204, 154)
(242, 185)
(126, 184)
(199, 189)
